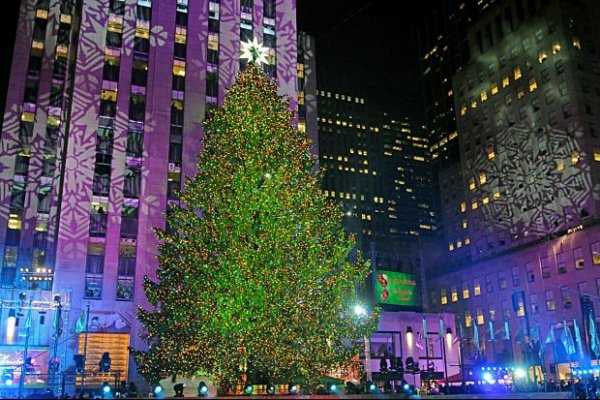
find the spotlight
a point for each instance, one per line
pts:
(157, 389)
(202, 389)
(178, 389)
(106, 391)
(520, 373)
(488, 377)
(248, 389)
(406, 387)
(371, 387)
(332, 388)
(292, 388)
(8, 377)
(270, 388)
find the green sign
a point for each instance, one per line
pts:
(396, 288)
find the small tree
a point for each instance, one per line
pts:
(254, 272)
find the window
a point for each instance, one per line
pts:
(454, 294)
(533, 301)
(476, 287)
(521, 305)
(465, 290)
(468, 318)
(545, 266)
(492, 308)
(566, 297)
(517, 73)
(501, 281)
(125, 288)
(443, 296)
(433, 297)
(598, 286)
(480, 317)
(561, 263)
(530, 272)
(578, 257)
(489, 284)
(532, 85)
(505, 310)
(550, 302)
(132, 182)
(93, 287)
(582, 288)
(560, 67)
(505, 81)
(595, 247)
(516, 278)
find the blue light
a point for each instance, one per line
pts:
(106, 389)
(333, 388)
(203, 389)
(483, 368)
(489, 368)
(494, 368)
(158, 389)
(8, 382)
(406, 386)
(488, 377)
(372, 387)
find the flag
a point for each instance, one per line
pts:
(442, 330)
(81, 323)
(425, 329)
(459, 335)
(492, 335)
(578, 339)
(549, 339)
(476, 338)
(419, 341)
(535, 333)
(567, 339)
(506, 330)
(594, 345)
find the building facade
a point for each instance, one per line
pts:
(523, 224)
(103, 122)
(376, 165)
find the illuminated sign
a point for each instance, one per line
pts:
(396, 288)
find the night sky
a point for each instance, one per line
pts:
(365, 47)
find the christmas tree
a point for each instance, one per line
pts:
(255, 275)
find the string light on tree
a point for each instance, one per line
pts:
(254, 272)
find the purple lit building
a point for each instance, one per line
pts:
(521, 211)
(103, 122)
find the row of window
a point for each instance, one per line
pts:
(562, 263)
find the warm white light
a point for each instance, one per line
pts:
(449, 340)
(267, 175)
(359, 310)
(10, 327)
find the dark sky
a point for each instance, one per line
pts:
(369, 45)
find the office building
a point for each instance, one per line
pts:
(103, 122)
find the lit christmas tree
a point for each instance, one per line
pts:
(254, 272)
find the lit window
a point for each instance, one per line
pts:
(517, 73)
(459, 244)
(494, 89)
(532, 85)
(473, 103)
(463, 110)
(451, 246)
(476, 287)
(464, 224)
(463, 207)
(595, 247)
(471, 183)
(575, 157)
(465, 290)
(480, 318)
(496, 195)
(482, 178)
(467, 240)
(576, 43)
(485, 199)
(542, 56)
(443, 297)
(484, 96)
(555, 48)
(505, 81)
(520, 94)
(560, 165)
(468, 319)
(474, 204)
(454, 294)
(491, 154)
(596, 154)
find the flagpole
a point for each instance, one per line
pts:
(85, 342)
(444, 354)
(25, 350)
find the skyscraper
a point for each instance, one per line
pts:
(526, 212)
(103, 123)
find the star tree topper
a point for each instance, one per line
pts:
(254, 51)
